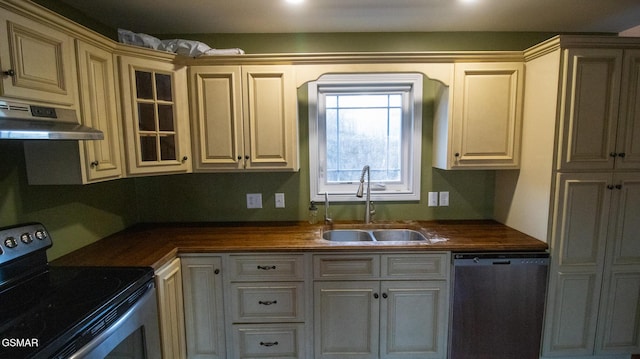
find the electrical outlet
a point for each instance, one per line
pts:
(433, 199)
(254, 200)
(279, 200)
(444, 198)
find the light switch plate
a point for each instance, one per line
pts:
(254, 200)
(279, 200)
(444, 198)
(433, 199)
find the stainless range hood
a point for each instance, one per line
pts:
(20, 121)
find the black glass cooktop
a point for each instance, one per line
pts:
(40, 315)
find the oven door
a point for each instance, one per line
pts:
(135, 335)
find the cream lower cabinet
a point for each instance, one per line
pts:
(170, 310)
(203, 307)
(381, 306)
(593, 305)
(244, 118)
(478, 125)
(268, 306)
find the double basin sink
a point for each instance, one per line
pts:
(373, 235)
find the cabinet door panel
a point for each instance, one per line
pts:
(590, 105)
(487, 115)
(203, 309)
(169, 284)
(217, 110)
(580, 230)
(346, 320)
(621, 313)
(270, 117)
(571, 314)
(156, 129)
(42, 59)
(413, 319)
(98, 110)
(628, 145)
(627, 226)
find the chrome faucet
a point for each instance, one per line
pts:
(327, 219)
(369, 210)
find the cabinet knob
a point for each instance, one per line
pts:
(94, 164)
(384, 295)
(9, 73)
(457, 154)
(610, 186)
(618, 186)
(216, 271)
(246, 157)
(612, 154)
(621, 154)
(375, 295)
(185, 158)
(239, 158)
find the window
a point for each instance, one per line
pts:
(365, 119)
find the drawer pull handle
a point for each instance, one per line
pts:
(267, 302)
(268, 344)
(266, 267)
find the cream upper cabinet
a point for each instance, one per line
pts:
(98, 110)
(628, 140)
(600, 110)
(83, 162)
(589, 105)
(37, 61)
(155, 116)
(478, 125)
(244, 118)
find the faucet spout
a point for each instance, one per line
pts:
(327, 218)
(360, 193)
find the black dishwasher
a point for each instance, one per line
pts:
(498, 305)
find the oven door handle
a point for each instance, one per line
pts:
(142, 314)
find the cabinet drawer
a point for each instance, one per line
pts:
(281, 341)
(346, 266)
(415, 266)
(267, 302)
(266, 267)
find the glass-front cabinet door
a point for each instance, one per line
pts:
(156, 121)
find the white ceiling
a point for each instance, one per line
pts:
(277, 16)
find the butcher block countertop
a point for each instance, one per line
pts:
(155, 244)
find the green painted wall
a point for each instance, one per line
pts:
(78, 215)
(222, 196)
(75, 215)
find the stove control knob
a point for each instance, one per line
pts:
(41, 234)
(10, 242)
(26, 238)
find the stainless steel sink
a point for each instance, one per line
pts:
(347, 235)
(379, 235)
(402, 235)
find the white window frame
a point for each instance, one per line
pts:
(411, 86)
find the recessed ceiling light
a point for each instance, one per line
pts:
(294, 1)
